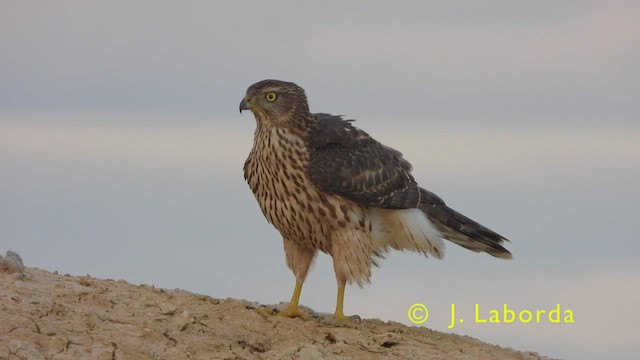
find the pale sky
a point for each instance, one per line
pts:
(121, 149)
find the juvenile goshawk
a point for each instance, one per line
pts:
(328, 186)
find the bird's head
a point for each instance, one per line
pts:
(276, 102)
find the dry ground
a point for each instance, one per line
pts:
(44, 315)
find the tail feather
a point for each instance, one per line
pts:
(465, 232)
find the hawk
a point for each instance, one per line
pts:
(329, 186)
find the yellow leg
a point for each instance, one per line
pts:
(339, 314)
(338, 319)
(293, 310)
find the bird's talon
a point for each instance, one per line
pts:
(266, 310)
(292, 313)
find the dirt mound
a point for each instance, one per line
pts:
(44, 315)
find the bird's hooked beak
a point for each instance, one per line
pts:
(245, 104)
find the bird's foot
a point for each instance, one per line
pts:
(266, 310)
(342, 321)
(292, 312)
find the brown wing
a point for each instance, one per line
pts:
(346, 161)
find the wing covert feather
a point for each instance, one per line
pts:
(346, 161)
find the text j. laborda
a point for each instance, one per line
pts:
(419, 313)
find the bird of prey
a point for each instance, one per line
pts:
(329, 186)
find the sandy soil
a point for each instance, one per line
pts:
(44, 315)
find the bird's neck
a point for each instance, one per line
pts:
(267, 136)
(298, 124)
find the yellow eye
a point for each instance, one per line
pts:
(271, 97)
